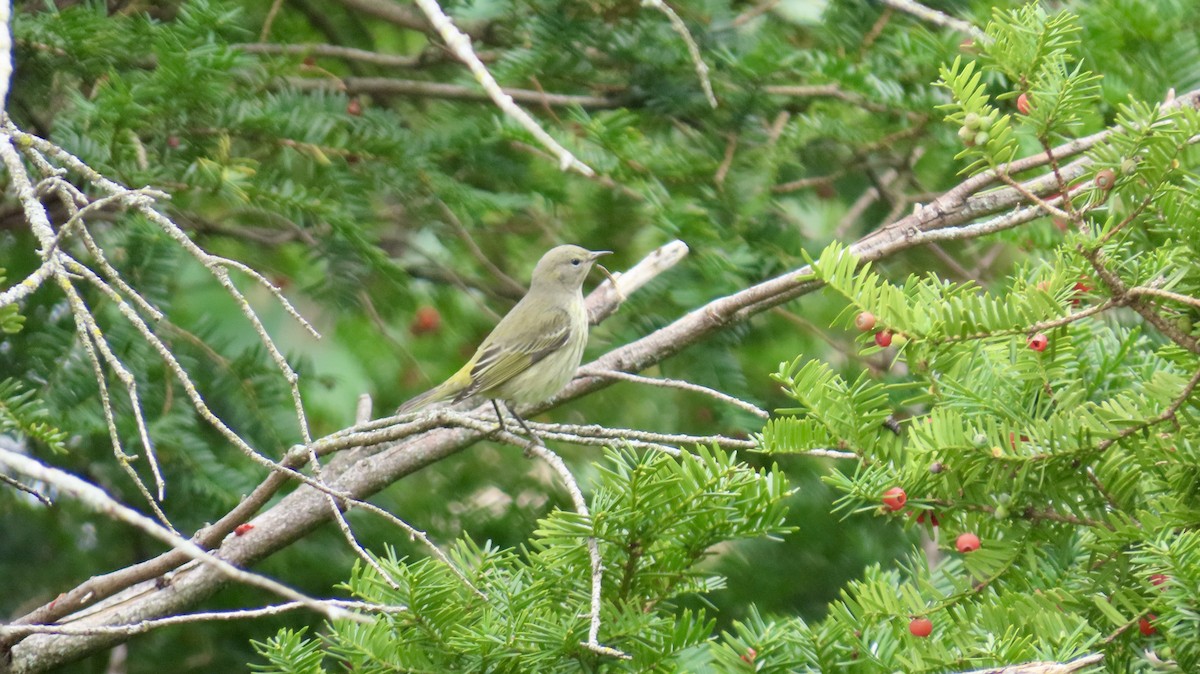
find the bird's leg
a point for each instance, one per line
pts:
(500, 417)
(534, 437)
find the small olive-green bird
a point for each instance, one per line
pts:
(535, 349)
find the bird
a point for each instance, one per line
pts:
(535, 349)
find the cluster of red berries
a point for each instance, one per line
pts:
(865, 321)
(894, 499)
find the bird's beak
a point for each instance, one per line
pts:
(607, 273)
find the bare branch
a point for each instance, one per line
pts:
(392, 12)
(682, 385)
(425, 89)
(556, 462)
(754, 12)
(143, 626)
(460, 44)
(102, 503)
(21, 486)
(1044, 667)
(835, 91)
(680, 27)
(428, 57)
(1164, 294)
(935, 17)
(333, 51)
(28, 284)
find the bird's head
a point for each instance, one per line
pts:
(564, 267)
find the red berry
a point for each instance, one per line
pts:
(883, 338)
(967, 542)
(921, 627)
(895, 498)
(865, 321)
(426, 320)
(1145, 627)
(1023, 104)
(1105, 179)
(354, 108)
(173, 142)
(242, 529)
(1079, 287)
(1038, 342)
(1159, 578)
(749, 655)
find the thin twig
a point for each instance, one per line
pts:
(460, 44)
(681, 28)
(429, 57)
(29, 284)
(1147, 310)
(427, 89)
(937, 18)
(343, 526)
(1166, 415)
(21, 486)
(1045, 206)
(678, 384)
(143, 626)
(216, 265)
(835, 91)
(1046, 667)
(812, 181)
(556, 462)
(511, 285)
(754, 12)
(1164, 294)
(270, 20)
(731, 144)
(90, 333)
(331, 50)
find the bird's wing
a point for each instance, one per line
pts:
(498, 361)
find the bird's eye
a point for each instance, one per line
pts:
(575, 261)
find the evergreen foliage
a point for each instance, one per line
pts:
(656, 517)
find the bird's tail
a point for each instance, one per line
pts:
(434, 395)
